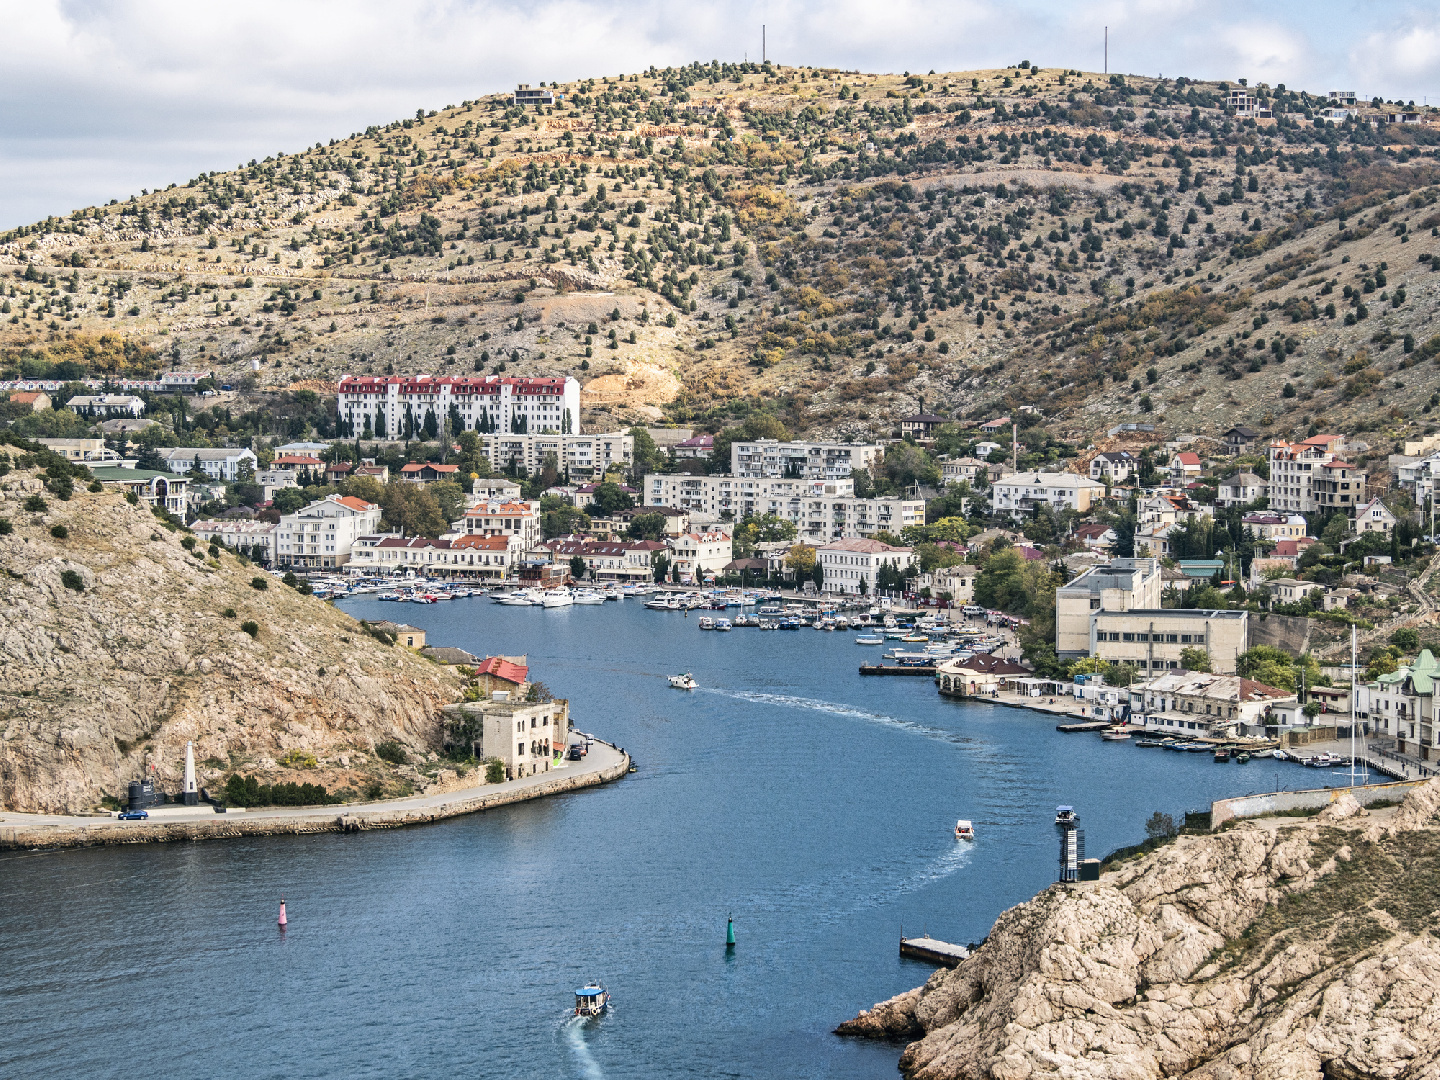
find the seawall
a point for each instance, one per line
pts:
(1279, 802)
(57, 832)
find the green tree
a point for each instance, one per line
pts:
(609, 499)
(289, 500)
(999, 584)
(412, 509)
(577, 567)
(647, 457)
(1160, 826)
(1268, 665)
(450, 497)
(646, 527)
(1406, 639)
(1194, 659)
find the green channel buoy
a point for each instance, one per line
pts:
(729, 933)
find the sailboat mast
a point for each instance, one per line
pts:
(1352, 704)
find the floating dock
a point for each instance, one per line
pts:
(1089, 725)
(933, 951)
(897, 669)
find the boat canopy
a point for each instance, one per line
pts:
(962, 824)
(589, 991)
(1064, 809)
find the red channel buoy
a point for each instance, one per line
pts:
(283, 921)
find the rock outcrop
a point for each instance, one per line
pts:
(118, 644)
(1276, 950)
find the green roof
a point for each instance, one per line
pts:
(114, 474)
(1422, 672)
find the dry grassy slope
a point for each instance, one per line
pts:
(852, 250)
(95, 684)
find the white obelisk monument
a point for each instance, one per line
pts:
(192, 793)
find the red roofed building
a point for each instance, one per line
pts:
(506, 674)
(38, 400)
(423, 472)
(299, 465)
(381, 406)
(520, 519)
(1185, 466)
(609, 561)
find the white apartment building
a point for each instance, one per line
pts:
(520, 519)
(107, 405)
(607, 560)
(323, 533)
(821, 509)
(222, 464)
(1113, 467)
(851, 567)
(698, 554)
(577, 455)
(255, 539)
(483, 558)
(1295, 472)
(1201, 702)
(183, 381)
(482, 403)
(772, 459)
(1019, 493)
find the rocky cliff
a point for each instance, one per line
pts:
(118, 644)
(1278, 949)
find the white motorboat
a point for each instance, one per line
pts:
(587, 597)
(1115, 735)
(683, 682)
(722, 624)
(555, 598)
(964, 830)
(707, 623)
(869, 639)
(591, 999)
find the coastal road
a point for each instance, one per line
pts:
(603, 763)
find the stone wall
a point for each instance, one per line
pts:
(1251, 806)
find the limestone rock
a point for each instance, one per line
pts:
(1271, 951)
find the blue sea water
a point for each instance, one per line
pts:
(813, 805)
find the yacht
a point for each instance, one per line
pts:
(519, 598)
(1065, 815)
(707, 623)
(554, 598)
(722, 624)
(683, 682)
(869, 639)
(585, 596)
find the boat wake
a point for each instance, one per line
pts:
(574, 1029)
(849, 711)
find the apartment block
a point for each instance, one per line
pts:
(387, 405)
(772, 459)
(820, 509)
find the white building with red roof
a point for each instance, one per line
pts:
(521, 519)
(388, 406)
(322, 534)
(1301, 483)
(846, 564)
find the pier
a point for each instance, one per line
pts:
(1089, 725)
(932, 951)
(897, 669)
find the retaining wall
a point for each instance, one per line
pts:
(1253, 806)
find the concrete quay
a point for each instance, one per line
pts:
(604, 763)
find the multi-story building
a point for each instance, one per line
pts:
(529, 737)
(1119, 585)
(1202, 702)
(254, 539)
(697, 554)
(183, 381)
(820, 509)
(520, 519)
(964, 469)
(151, 487)
(1153, 639)
(479, 558)
(383, 405)
(772, 459)
(1113, 467)
(1020, 493)
(852, 567)
(631, 560)
(1374, 516)
(106, 405)
(323, 533)
(90, 451)
(1401, 706)
(300, 466)
(1268, 526)
(1338, 485)
(224, 464)
(1239, 489)
(576, 455)
(1296, 475)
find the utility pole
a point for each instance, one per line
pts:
(1107, 50)
(762, 43)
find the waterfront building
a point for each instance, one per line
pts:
(821, 510)
(507, 674)
(322, 534)
(851, 567)
(1020, 493)
(478, 558)
(772, 459)
(389, 406)
(1153, 639)
(958, 581)
(520, 519)
(699, 554)
(1200, 702)
(526, 736)
(981, 675)
(223, 464)
(606, 560)
(1118, 585)
(1401, 706)
(255, 539)
(576, 456)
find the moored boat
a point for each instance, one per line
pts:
(869, 639)
(1065, 815)
(706, 623)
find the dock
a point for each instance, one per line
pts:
(897, 669)
(1089, 725)
(933, 951)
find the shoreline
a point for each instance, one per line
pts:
(32, 831)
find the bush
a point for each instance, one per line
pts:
(494, 771)
(229, 613)
(60, 532)
(259, 583)
(392, 752)
(299, 759)
(132, 498)
(5, 527)
(1406, 638)
(250, 627)
(290, 579)
(36, 504)
(96, 487)
(247, 791)
(71, 580)
(374, 790)
(1160, 826)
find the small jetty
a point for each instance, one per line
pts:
(933, 951)
(897, 669)
(1089, 725)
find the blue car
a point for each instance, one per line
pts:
(134, 815)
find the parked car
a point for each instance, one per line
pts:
(576, 752)
(134, 815)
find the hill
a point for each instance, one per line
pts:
(1278, 949)
(123, 639)
(838, 248)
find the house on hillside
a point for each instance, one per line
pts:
(1239, 489)
(503, 674)
(38, 400)
(921, 426)
(1241, 440)
(418, 472)
(1185, 466)
(1374, 516)
(1113, 467)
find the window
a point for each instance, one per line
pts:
(1127, 637)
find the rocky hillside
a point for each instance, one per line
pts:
(118, 643)
(1279, 950)
(839, 247)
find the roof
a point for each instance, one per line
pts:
(1216, 687)
(190, 453)
(482, 543)
(114, 474)
(698, 441)
(924, 418)
(28, 397)
(419, 466)
(863, 547)
(1188, 458)
(296, 459)
(447, 655)
(1243, 479)
(352, 502)
(1243, 432)
(501, 668)
(1092, 531)
(986, 664)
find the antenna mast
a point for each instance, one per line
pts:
(1107, 50)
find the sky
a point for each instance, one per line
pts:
(100, 99)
